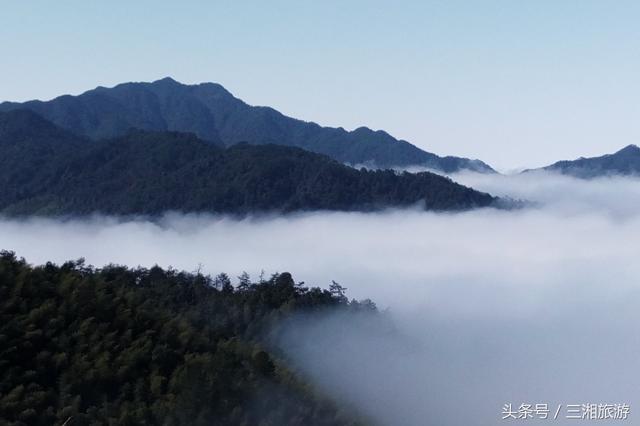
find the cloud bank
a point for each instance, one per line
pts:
(538, 305)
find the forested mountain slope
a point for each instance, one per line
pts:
(623, 162)
(117, 346)
(215, 115)
(47, 171)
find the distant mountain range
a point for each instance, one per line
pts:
(46, 170)
(623, 162)
(215, 115)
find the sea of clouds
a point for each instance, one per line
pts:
(489, 307)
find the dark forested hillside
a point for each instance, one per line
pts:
(215, 115)
(118, 346)
(623, 162)
(29, 147)
(47, 171)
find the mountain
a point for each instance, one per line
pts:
(48, 171)
(623, 162)
(118, 346)
(215, 115)
(28, 144)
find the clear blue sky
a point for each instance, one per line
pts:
(515, 83)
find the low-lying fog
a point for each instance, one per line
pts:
(539, 305)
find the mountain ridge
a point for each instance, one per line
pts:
(624, 162)
(45, 170)
(215, 115)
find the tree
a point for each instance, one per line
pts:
(244, 281)
(222, 282)
(338, 291)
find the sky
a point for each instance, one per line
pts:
(516, 84)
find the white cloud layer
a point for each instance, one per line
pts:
(539, 305)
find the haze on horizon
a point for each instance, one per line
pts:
(513, 84)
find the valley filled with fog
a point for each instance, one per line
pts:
(534, 305)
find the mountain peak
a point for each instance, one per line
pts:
(167, 80)
(623, 162)
(215, 115)
(629, 149)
